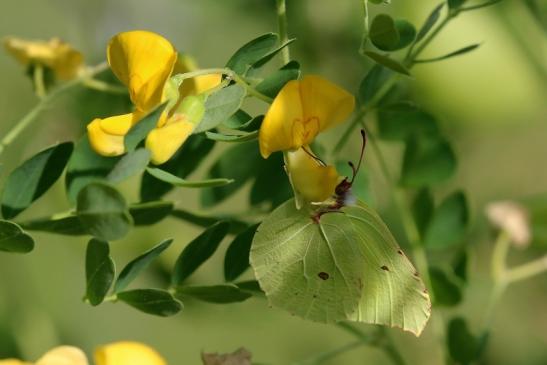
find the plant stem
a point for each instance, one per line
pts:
(24, 122)
(364, 37)
(104, 86)
(527, 270)
(39, 86)
(282, 28)
(409, 61)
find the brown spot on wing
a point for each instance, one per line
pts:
(385, 268)
(323, 275)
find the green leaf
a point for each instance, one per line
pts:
(33, 178)
(429, 22)
(455, 4)
(407, 34)
(462, 345)
(86, 166)
(236, 260)
(220, 294)
(99, 271)
(341, 266)
(371, 84)
(145, 214)
(427, 161)
(198, 251)
(446, 290)
(252, 52)
(236, 226)
(268, 57)
(232, 138)
(152, 301)
(131, 164)
(103, 212)
(459, 52)
(274, 82)
(229, 166)
(137, 265)
(220, 106)
(177, 181)
(140, 130)
(388, 62)
(250, 286)
(402, 121)
(13, 239)
(179, 165)
(422, 209)
(536, 205)
(449, 223)
(383, 33)
(237, 120)
(460, 264)
(270, 172)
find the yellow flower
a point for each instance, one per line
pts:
(144, 61)
(312, 180)
(301, 110)
(120, 353)
(65, 61)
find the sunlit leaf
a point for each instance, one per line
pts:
(99, 271)
(33, 178)
(252, 52)
(13, 239)
(131, 164)
(341, 266)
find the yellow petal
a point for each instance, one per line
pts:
(143, 61)
(68, 61)
(300, 111)
(277, 130)
(13, 362)
(327, 102)
(127, 353)
(64, 355)
(164, 141)
(106, 136)
(310, 179)
(195, 85)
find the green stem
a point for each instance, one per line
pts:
(364, 37)
(39, 86)
(527, 270)
(409, 61)
(282, 28)
(24, 122)
(104, 86)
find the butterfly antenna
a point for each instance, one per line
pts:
(363, 145)
(314, 157)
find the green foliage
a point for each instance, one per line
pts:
(140, 130)
(256, 52)
(99, 271)
(151, 301)
(458, 52)
(198, 251)
(33, 178)
(390, 35)
(388, 62)
(371, 84)
(13, 239)
(455, 4)
(232, 138)
(220, 105)
(274, 82)
(177, 181)
(131, 164)
(446, 290)
(103, 212)
(139, 264)
(449, 222)
(220, 294)
(236, 260)
(302, 263)
(179, 165)
(86, 166)
(404, 121)
(145, 214)
(429, 22)
(463, 346)
(422, 209)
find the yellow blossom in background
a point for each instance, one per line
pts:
(144, 62)
(59, 56)
(301, 110)
(120, 353)
(198, 84)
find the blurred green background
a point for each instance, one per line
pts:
(492, 104)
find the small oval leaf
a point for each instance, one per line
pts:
(152, 301)
(13, 239)
(99, 271)
(236, 260)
